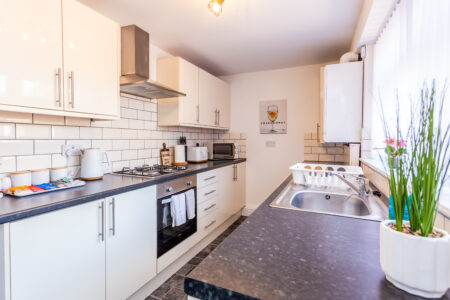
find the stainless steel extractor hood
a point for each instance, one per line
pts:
(135, 67)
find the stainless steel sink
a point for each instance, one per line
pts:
(341, 201)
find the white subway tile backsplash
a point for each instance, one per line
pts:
(121, 145)
(65, 132)
(129, 154)
(121, 123)
(33, 162)
(114, 156)
(7, 164)
(7, 131)
(112, 133)
(128, 113)
(48, 146)
(27, 132)
(90, 133)
(136, 124)
(136, 104)
(35, 141)
(102, 144)
(15, 147)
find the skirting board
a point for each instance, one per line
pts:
(153, 284)
(247, 211)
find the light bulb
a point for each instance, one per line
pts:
(215, 6)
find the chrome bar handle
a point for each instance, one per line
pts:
(102, 211)
(209, 193)
(215, 117)
(218, 117)
(58, 87)
(209, 178)
(234, 172)
(210, 224)
(209, 207)
(71, 91)
(113, 214)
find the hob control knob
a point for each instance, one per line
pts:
(189, 183)
(169, 189)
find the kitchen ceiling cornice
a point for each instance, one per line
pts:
(253, 35)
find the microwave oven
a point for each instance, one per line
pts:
(224, 151)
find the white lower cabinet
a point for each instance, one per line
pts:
(130, 242)
(59, 255)
(232, 188)
(104, 249)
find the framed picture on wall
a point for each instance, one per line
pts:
(273, 116)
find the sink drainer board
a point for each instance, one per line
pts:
(322, 174)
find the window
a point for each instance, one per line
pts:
(413, 48)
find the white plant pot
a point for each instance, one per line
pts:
(417, 265)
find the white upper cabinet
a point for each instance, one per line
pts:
(180, 75)
(214, 101)
(341, 103)
(207, 101)
(91, 60)
(31, 53)
(58, 57)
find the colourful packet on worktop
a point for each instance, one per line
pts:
(48, 186)
(35, 189)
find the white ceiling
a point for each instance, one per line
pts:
(250, 35)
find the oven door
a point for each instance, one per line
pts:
(169, 236)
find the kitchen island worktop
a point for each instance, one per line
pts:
(12, 208)
(286, 254)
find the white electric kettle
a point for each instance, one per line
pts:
(92, 164)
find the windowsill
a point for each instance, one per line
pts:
(376, 164)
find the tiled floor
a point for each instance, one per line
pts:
(173, 288)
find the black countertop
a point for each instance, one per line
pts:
(12, 208)
(285, 254)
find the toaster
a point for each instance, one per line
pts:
(197, 154)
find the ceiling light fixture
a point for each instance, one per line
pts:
(215, 6)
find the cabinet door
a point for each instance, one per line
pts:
(91, 60)
(131, 242)
(227, 191)
(30, 53)
(239, 196)
(343, 103)
(59, 255)
(188, 84)
(209, 91)
(224, 105)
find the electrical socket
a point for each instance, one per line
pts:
(70, 150)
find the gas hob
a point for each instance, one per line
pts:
(150, 171)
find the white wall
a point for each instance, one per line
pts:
(268, 167)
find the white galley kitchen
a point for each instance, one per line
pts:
(224, 149)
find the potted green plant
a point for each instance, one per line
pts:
(415, 255)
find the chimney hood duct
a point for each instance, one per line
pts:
(135, 67)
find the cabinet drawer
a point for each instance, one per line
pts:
(206, 178)
(207, 207)
(209, 222)
(207, 192)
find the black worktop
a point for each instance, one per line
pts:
(12, 208)
(286, 254)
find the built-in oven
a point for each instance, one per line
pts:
(169, 235)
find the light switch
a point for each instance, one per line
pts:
(271, 144)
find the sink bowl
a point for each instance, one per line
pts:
(340, 201)
(330, 203)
